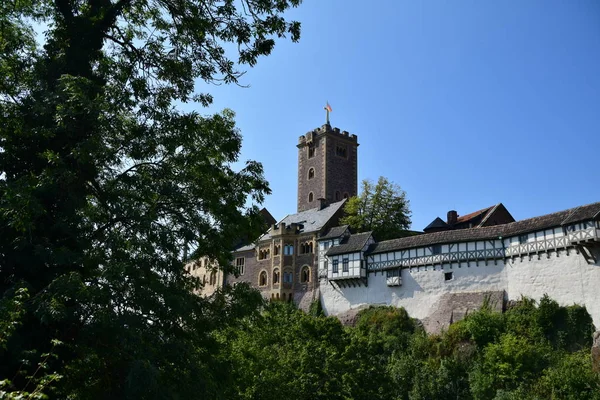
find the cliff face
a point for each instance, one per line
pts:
(596, 352)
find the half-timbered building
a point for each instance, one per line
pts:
(556, 254)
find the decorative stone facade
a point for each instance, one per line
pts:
(282, 264)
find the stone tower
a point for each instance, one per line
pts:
(327, 166)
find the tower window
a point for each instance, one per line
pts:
(310, 197)
(341, 151)
(311, 151)
(346, 195)
(338, 196)
(311, 173)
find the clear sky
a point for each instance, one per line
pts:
(464, 104)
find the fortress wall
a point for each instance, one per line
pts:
(566, 279)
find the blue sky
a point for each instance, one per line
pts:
(464, 104)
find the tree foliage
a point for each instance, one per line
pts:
(387, 355)
(382, 208)
(103, 181)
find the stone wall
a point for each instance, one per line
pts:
(568, 279)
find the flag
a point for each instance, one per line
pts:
(328, 107)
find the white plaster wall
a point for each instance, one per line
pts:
(568, 279)
(421, 288)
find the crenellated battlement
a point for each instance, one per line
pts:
(326, 128)
(283, 229)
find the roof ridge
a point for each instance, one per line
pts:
(572, 211)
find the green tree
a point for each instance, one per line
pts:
(103, 180)
(382, 208)
(287, 354)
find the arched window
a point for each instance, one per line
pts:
(305, 274)
(311, 173)
(262, 278)
(346, 195)
(275, 276)
(310, 247)
(310, 197)
(276, 250)
(338, 196)
(213, 278)
(277, 296)
(288, 277)
(290, 297)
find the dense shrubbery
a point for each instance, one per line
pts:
(530, 352)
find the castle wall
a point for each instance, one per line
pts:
(568, 279)
(421, 289)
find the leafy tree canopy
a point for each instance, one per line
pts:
(103, 180)
(382, 208)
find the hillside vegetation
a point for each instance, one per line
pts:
(533, 351)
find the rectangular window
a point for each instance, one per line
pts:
(523, 239)
(311, 151)
(288, 250)
(239, 263)
(345, 265)
(326, 245)
(334, 266)
(436, 249)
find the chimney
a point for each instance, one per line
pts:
(322, 203)
(452, 217)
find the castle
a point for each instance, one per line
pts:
(438, 276)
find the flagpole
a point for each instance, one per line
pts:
(327, 110)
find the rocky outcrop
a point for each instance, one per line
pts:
(349, 317)
(596, 352)
(452, 307)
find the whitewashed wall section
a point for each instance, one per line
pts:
(528, 265)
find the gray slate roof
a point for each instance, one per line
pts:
(566, 217)
(334, 232)
(436, 223)
(313, 220)
(351, 245)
